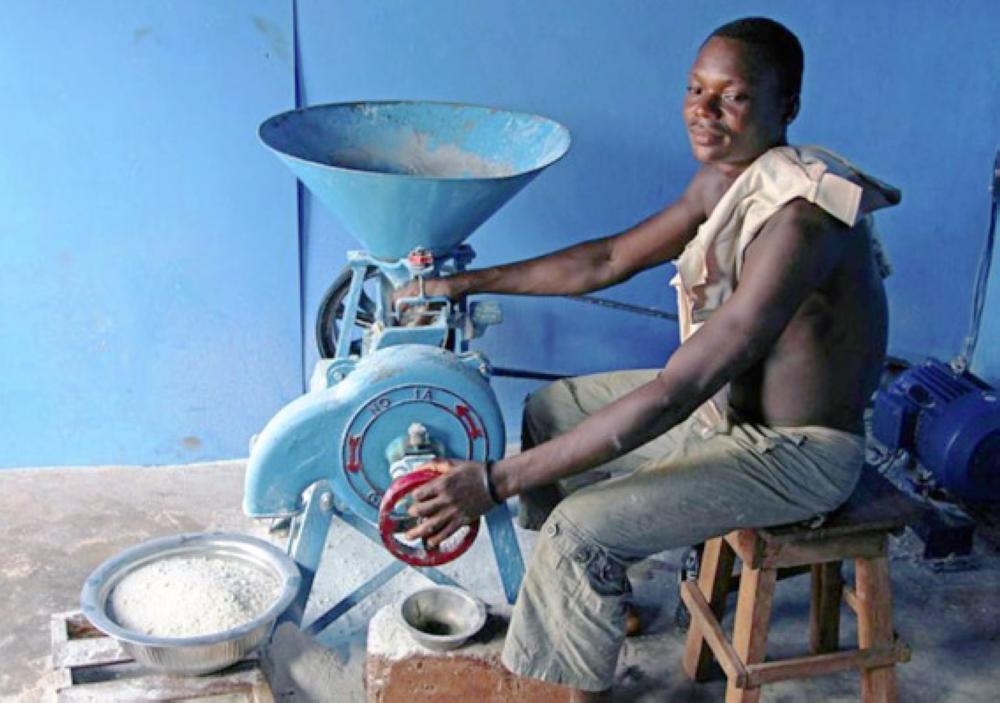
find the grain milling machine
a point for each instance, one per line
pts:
(411, 180)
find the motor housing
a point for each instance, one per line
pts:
(949, 421)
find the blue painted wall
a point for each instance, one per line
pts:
(149, 291)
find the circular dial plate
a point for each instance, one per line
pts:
(449, 420)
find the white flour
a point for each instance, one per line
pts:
(415, 155)
(188, 596)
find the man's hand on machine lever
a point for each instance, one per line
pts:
(417, 315)
(433, 287)
(457, 498)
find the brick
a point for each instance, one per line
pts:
(398, 670)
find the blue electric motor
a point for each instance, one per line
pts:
(949, 421)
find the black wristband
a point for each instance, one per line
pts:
(488, 480)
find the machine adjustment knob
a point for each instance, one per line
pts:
(391, 522)
(417, 436)
(421, 258)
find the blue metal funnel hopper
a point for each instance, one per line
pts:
(402, 175)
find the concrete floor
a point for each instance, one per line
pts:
(56, 525)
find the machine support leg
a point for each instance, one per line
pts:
(354, 597)
(306, 545)
(350, 310)
(510, 563)
(309, 540)
(371, 533)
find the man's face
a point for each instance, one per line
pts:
(734, 110)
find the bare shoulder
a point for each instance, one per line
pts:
(706, 189)
(802, 217)
(799, 224)
(800, 237)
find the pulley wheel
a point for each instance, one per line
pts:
(330, 317)
(391, 523)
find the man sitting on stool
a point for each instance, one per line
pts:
(755, 420)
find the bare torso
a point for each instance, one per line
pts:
(827, 361)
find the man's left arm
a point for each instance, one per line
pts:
(794, 253)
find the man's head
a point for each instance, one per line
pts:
(770, 44)
(743, 91)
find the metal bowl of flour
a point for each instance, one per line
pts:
(442, 617)
(202, 653)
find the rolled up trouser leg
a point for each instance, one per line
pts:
(569, 622)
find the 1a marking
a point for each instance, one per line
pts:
(423, 394)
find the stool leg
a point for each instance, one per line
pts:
(874, 597)
(753, 615)
(714, 573)
(824, 611)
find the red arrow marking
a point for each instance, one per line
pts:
(353, 462)
(466, 418)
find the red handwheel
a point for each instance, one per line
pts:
(390, 524)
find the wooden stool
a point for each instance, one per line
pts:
(859, 531)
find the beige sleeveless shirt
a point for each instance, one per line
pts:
(708, 269)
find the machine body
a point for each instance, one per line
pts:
(411, 181)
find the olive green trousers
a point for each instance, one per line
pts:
(678, 490)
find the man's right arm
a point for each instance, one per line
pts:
(594, 264)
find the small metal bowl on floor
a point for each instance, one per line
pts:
(442, 617)
(199, 654)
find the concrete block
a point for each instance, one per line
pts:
(398, 670)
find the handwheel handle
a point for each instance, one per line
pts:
(388, 526)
